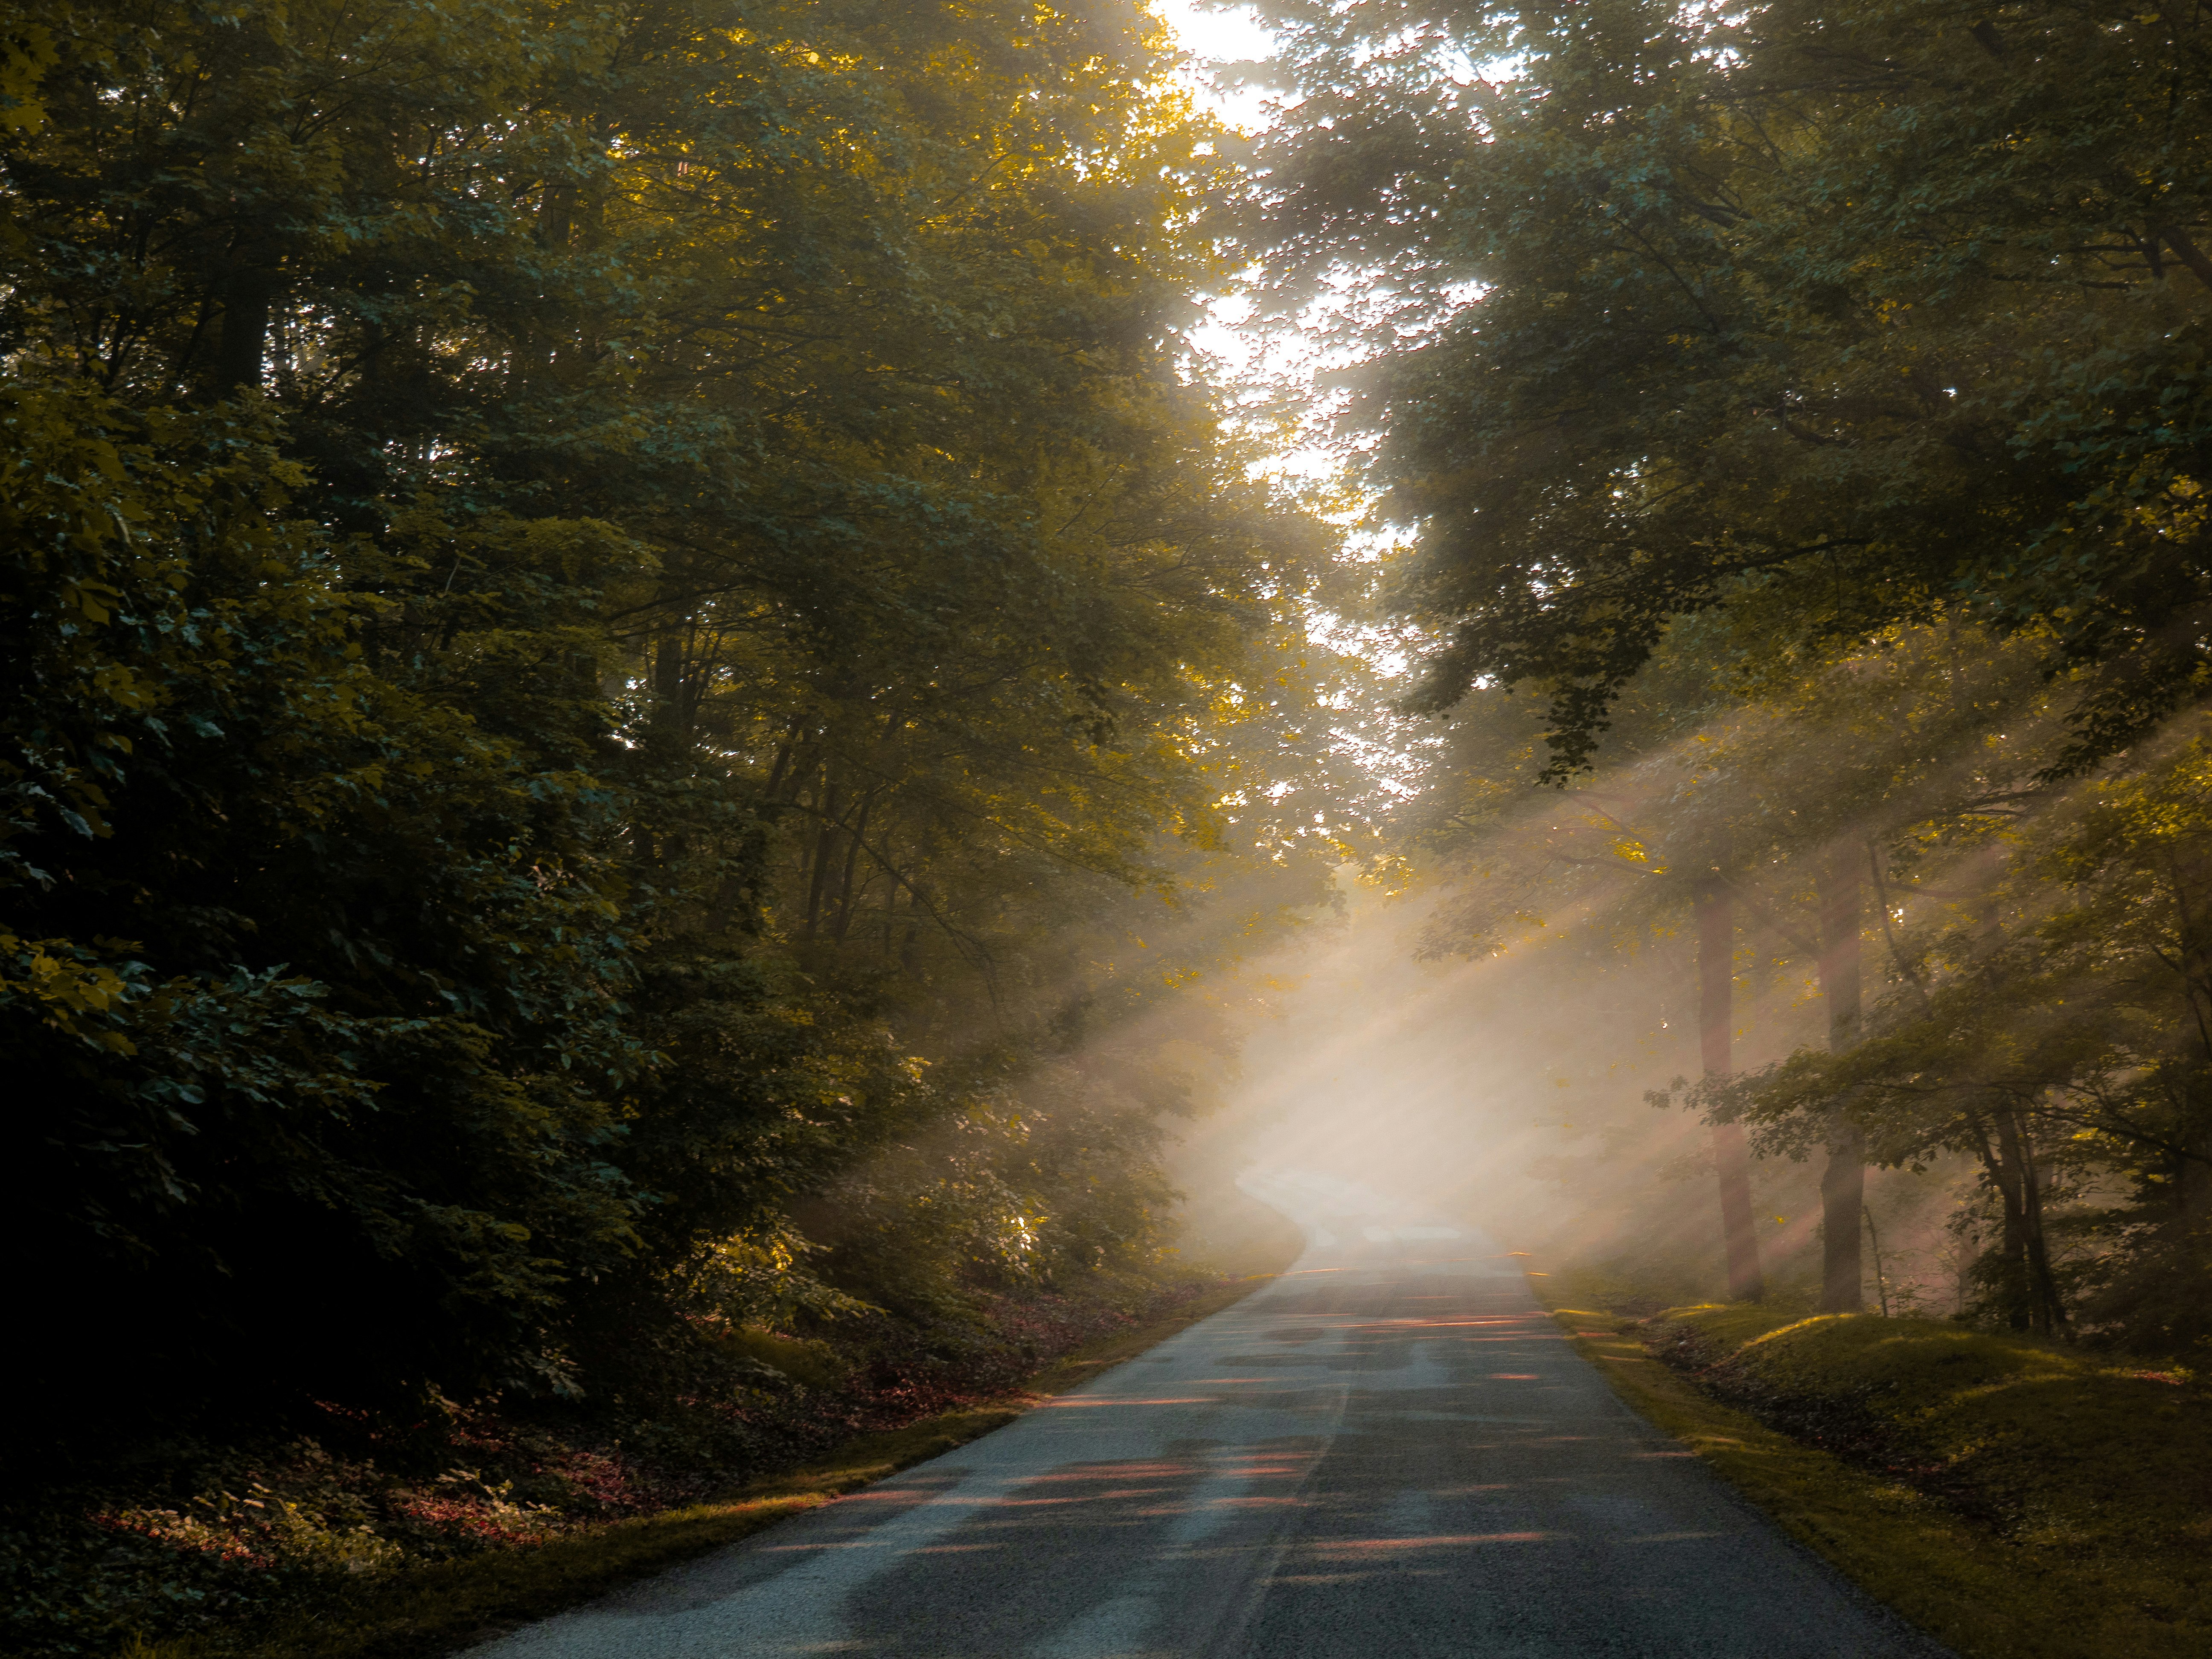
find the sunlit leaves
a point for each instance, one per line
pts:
(1837, 316)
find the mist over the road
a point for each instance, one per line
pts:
(1508, 1092)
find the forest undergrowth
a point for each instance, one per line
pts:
(214, 1538)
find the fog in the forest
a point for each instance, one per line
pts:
(1508, 1092)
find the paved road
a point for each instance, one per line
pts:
(1389, 1453)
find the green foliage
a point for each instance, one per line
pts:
(2010, 1498)
(2068, 1459)
(2044, 1015)
(1835, 320)
(620, 628)
(272, 915)
(1811, 400)
(389, 1538)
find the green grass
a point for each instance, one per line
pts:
(429, 1611)
(2015, 1500)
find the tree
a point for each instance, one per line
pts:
(1715, 925)
(675, 602)
(1832, 321)
(316, 975)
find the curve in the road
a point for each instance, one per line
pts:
(1389, 1453)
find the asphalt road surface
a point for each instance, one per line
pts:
(1389, 1453)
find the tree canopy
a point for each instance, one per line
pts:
(651, 701)
(1796, 417)
(1832, 318)
(612, 615)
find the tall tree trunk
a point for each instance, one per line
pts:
(2037, 1305)
(2019, 1190)
(785, 752)
(890, 916)
(825, 848)
(852, 845)
(2000, 1161)
(1843, 1183)
(669, 727)
(671, 720)
(2026, 1288)
(241, 348)
(1874, 1245)
(2049, 1312)
(1716, 1032)
(557, 213)
(910, 955)
(542, 336)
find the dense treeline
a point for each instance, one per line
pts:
(1805, 415)
(639, 667)
(622, 624)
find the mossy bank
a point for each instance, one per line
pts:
(2013, 1498)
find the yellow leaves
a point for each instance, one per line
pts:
(2134, 818)
(73, 992)
(1392, 873)
(124, 686)
(94, 601)
(27, 52)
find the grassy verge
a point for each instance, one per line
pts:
(2015, 1500)
(431, 1611)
